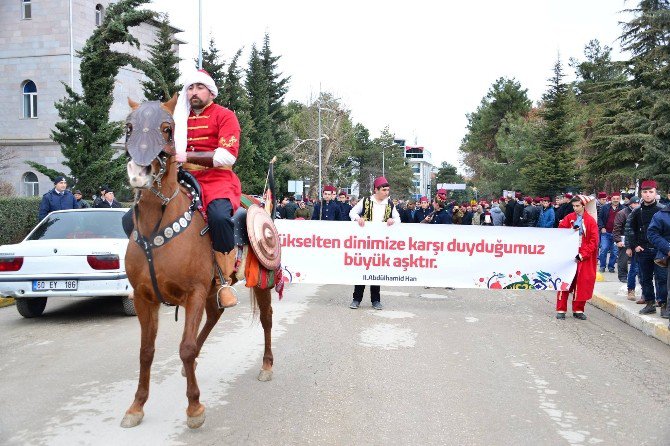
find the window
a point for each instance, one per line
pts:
(29, 99)
(99, 14)
(26, 9)
(31, 187)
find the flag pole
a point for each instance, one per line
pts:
(200, 34)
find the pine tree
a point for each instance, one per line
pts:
(552, 168)
(262, 135)
(164, 77)
(277, 89)
(504, 98)
(84, 133)
(234, 96)
(215, 67)
(645, 122)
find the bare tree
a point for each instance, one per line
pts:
(7, 158)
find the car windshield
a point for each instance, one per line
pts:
(80, 225)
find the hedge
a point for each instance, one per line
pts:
(18, 215)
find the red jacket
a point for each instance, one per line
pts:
(215, 127)
(585, 278)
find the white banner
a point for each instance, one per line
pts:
(456, 256)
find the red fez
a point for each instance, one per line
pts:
(648, 184)
(546, 199)
(502, 198)
(568, 195)
(537, 199)
(343, 192)
(329, 188)
(423, 200)
(602, 195)
(615, 194)
(380, 182)
(528, 199)
(442, 191)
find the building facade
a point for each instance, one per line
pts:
(39, 41)
(423, 169)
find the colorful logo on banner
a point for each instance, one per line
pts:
(538, 280)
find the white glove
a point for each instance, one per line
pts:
(223, 158)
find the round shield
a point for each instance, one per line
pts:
(263, 237)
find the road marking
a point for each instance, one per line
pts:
(394, 293)
(435, 296)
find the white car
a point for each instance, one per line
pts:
(73, 253)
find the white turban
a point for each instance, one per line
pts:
(183, 109)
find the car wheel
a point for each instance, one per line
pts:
(128, 306)
(31, 307)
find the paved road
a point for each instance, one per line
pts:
(435, 367)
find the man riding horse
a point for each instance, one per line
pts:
(207, 140)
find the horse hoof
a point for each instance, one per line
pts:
(265, 375)
(183, 369)
(196, 421)
(132, 419)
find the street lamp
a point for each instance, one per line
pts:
(321, 138)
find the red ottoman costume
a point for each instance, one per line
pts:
(585, 278)
(215, 127)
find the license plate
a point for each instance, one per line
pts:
(55, 285)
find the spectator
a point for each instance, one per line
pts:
(564, 208)
(345, 207)
(624, 274)
(645, 252)
(101, 196)
(290, 207)
(109, 201)
(497, 215)
(83, 204)
(423, 211)
(468, 215)
(407, 215)
(376, 208)
(547, 214)
(530, 214)
(477, 213)
(57, 199)
(585, 278)
(509, 211)
(658, 234)
(518, 210)
(302, 212)
(486, 219)
(328, 208)
(606, 217)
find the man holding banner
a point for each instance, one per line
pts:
(585, 279)
(376, 208)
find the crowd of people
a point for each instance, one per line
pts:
(633, 233)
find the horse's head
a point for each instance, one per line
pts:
(149, 140)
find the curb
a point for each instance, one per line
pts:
(6, 301)
(646, 324)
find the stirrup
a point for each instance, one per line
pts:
(218, 302)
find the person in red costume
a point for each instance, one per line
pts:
(207, 140)
(587, 258)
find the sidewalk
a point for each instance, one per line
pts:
(610, 296)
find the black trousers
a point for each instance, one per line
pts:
(374, 293)
(219, 218)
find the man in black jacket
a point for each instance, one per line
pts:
(645, 251)
(509, 211)
(564, 209)
(57, 199)
(518, 210)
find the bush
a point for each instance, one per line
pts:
(18, 216)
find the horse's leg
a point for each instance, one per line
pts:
(188, 350)
(263, 299)
(213, 315)
(147, 314)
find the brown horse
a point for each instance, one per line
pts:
(165, 259)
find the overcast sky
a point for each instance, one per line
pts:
(415, 66)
